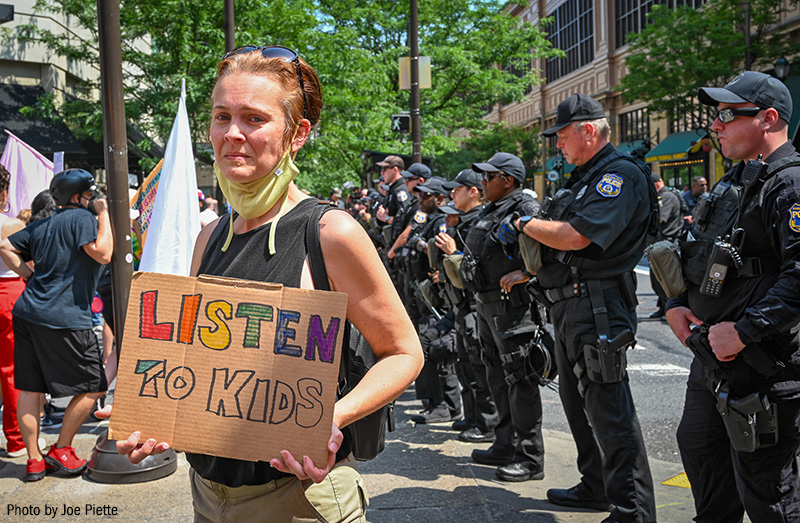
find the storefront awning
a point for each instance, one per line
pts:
(46, 137)
(551, 162)
(627, 147)
(674, 147)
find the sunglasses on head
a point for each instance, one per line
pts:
(276, 51)
(729, 114)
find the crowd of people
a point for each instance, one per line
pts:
(475, 291)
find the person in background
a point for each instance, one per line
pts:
(56, 349)
(208, 212)
(690, 196)
(11, 286)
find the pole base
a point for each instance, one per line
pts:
(108, 466)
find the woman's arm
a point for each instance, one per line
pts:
(374, 307)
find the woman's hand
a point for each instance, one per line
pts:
(307, 470)
(131, 447)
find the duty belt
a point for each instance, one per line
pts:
(490, 296)
(576, 290)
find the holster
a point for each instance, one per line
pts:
(606, 361)
(751, 421)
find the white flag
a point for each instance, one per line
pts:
(175, 221)
(30, 172)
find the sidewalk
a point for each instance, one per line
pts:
(425, 474)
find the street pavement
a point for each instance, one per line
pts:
(425, 474)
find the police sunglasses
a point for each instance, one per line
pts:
(729, 114)
(275, 51)
(488, 177)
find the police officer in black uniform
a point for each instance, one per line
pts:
(670, 228)
(438, 380)
(495, 274)
(740, 432)
(407, 218)
(480, 413)
(594, 235)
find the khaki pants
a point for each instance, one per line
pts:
(340, 497)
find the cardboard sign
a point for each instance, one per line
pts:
(230, 368)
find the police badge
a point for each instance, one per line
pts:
(442, 228)
(420, 217)
(402, 196)
(610, 185)
(794, 217)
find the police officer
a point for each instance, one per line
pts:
(396, 201)
(669, 228)
(495, 275)
(438, 380)
(594, 236)
(740, 431)
(480, 413)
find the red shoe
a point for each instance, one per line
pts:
(36, 469)
(65, 460)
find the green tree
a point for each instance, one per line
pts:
(683, 49)
(354, 47)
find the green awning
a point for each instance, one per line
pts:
(627, 147)
(550, 164)
(674, 147)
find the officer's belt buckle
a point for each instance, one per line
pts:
(556, 294)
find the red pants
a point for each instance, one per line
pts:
(10, 289)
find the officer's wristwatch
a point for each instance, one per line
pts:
(522, 222)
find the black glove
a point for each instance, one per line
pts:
(507, 231)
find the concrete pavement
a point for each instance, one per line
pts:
(425, 474)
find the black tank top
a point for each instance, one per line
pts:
(248, 258)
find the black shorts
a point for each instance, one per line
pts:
(61, 362)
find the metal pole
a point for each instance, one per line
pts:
(413, 40)
(116, 154)
(106, 465)
(230, 35)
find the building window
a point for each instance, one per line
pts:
(632, 14)
(634, 125)
(691, 115)
(572, 31)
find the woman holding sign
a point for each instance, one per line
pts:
(265, 103)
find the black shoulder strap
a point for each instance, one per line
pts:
(315, 260)
(220, 229)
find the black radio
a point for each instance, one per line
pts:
(724, 254)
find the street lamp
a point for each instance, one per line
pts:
(782, 66)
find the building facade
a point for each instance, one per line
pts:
(593, 35)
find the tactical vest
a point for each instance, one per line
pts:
(558, 208)
(402, 206)
(420, 267)
(720, 211)
(491, 261)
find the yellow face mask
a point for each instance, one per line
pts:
(253, 199)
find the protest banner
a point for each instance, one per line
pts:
(231, 368)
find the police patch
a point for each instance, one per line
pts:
(402, 196)
(794, 217)
(610, 185)
(420, 217)
(442, 227)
